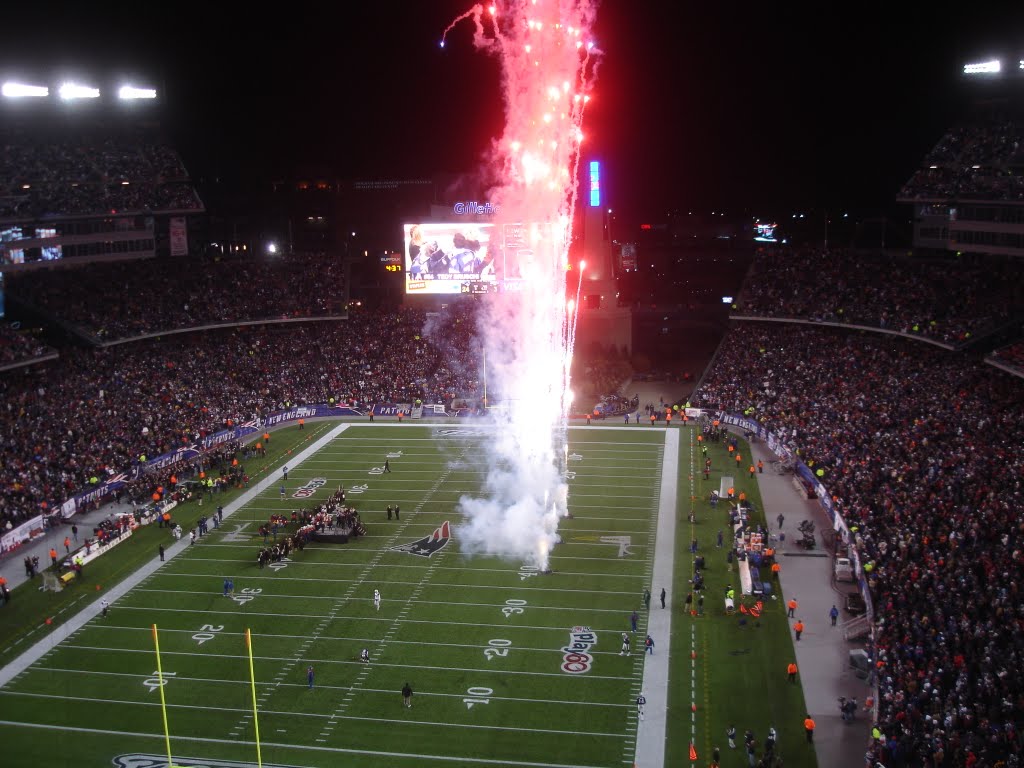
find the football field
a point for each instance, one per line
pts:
(483, 642)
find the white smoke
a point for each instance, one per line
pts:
(544, 50)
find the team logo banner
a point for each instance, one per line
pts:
(428, 545)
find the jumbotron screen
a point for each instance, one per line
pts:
(469, 257)
(440, 258)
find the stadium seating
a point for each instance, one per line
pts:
(975, 160)
(45, 174)
(94, 412)
(16, 346)
(946, 301)
(921, 450)
(168, 294)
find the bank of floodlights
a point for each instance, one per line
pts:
(71, 91)
(24, 91)
(129, 92)
(983, 68)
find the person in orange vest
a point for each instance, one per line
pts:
(53, 555)
(751, 471)
(731, 450)
(732, 493)
(739, 459)
(791, 671)
(266, 437)
(798, 629)
(400, 415)
(792, 606)
(775, 571)
(760, 467)
(743, 496)
(653, 417)
(67, 545)
(302, 423)
(809, 728)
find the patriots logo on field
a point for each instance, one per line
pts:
(428, 545)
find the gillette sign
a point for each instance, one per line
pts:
(475, 209)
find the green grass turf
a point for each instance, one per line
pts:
(24, 618)
(741, 675)
(478, 638)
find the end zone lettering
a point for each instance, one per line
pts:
(576, 660)
(310, 488)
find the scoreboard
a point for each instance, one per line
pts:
(393, 262)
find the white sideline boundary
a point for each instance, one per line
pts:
(39, 649)
(653, 729)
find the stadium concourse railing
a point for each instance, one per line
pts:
(847, 326)
(778, 446)
(30, 361)
(191, 329)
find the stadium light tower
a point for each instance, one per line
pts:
(21, 90)
(983, 67)
(128, 92)
(70, 91)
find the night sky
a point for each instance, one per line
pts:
(734, 105)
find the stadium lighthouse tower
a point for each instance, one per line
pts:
(601, 321)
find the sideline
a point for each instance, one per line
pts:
(35, 652)
(652, 731)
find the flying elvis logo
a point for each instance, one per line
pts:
(576, 660)
(310, 488)
(428, 545)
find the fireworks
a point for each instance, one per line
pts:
(547, 62)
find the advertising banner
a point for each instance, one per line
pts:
(18, 536)
(391, 409)
(178, 236)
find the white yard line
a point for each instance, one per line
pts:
(316, 715)
(343, 662)
(296, 747)
(387, 692)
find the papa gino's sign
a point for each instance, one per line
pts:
(576, 660)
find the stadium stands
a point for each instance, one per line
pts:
(47, 174)
(160, 295)
(18, 347)
(921, 450)
(947, 301)
(974, 160)
(71, 423)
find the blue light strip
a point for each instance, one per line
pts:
(595, 184)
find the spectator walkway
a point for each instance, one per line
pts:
(822, 654)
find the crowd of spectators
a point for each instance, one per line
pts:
(17, 346)
(942, 300)
(920, 450)
(977, 159)
(68, 424)
(167, 294)
(90, 172)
